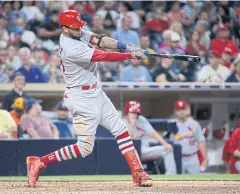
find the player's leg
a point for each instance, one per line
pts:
(86, 118)
(192, 164)
(169, 161)
(112, 121)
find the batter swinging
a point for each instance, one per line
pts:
(88, 104)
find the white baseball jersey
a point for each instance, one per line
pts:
(141, 129)
(190, 143)
(75, 56)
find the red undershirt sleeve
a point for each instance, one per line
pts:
(99, 55)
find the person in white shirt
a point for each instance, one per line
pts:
(215, 72)
(32, 12)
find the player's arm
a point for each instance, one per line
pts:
(154, 134)
(201, 142)
(103, 41)
(33, 133)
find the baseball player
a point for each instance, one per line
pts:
(88, 104)
(140, 128)
(190, 137)
(234, 148)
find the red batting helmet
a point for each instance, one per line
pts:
(219, 133)
(132, 106)
(71, 18)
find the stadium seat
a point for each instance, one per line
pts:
(63, 129)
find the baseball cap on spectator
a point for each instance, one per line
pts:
(179, 105)
(18, 103)
(227, 50)
(61, 106)
(222, 27)
(175, 37)
(31, 101)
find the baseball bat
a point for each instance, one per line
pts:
(189, 58)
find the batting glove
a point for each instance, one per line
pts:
(131, 47)
(138, 54)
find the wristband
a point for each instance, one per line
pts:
(121, 45)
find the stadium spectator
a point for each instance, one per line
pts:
(17, 91)
(20, 36)
(145, 44)
(235, 76)
(108, 15)
(79, 6)
(109, 71)
(190, 11)
(221, 41)
(163, 72)
(32, 11)
(8, 128)
(214, 72)
(178, 28)
(4, 78)
(12, 57)
(126, 35)
(140, 128)
(63, 115)
(53, 73)
(36, 125)
(4, 36)
(194, 47)
(126, 10)
(155, 27)
(16, 12)
(202, 29)
(7, 8)
(97, 26)
(173, 48)
(9, 70)
(18, 110)
(50, 30)
(203, 15)
(236, 27)
(31, 72)
(226, 57)
(135, 72)
(38, 59)
(176, 14)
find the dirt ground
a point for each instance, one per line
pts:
(162, 187)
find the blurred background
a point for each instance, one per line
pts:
(30, 68)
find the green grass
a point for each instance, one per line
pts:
(203, 177)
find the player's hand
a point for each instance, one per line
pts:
(168, 147)
(204, 166)
(138, 54)
(131, 48)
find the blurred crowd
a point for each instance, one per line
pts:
(29, 34)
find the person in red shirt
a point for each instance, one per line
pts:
(159, 23)
(234, 148)
(155, 27)
(221, 41)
